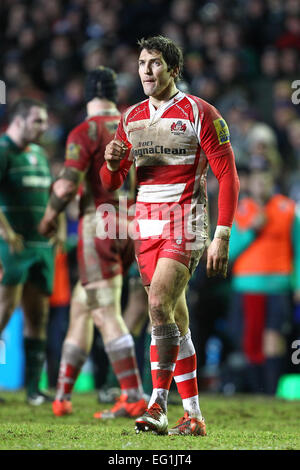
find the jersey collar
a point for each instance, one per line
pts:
(105, 112)
(155, 114)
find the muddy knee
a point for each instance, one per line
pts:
(101, 303)
(160, 311)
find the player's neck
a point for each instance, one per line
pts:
(95, 107)
(16, 136)
(165, 96)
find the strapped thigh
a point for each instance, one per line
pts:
(100, 297)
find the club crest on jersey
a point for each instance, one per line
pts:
(32, 159)
(222, 131)
(178, 128)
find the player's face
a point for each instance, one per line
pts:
(35, 124)
(261, 185)
(154, 74)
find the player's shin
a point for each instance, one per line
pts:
(185, 376)
(35, 357)
(121, 353)
(163, 354)
(72, 360)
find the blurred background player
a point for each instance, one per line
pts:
(265, 250)
(169, 172)
(102, 263)
(27, 256)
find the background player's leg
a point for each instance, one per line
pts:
(105, 301)
(274, 350)
(136, 311)
(136, 318)
(36, 308)
(10, 297)
(274, 340)
(76, 348)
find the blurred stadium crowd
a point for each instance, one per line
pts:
(240, 55)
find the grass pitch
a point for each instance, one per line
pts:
(242, 422)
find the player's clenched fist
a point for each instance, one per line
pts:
(47, 228)
(115, 151)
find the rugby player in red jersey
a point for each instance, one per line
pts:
(172, 137)
(102, 262)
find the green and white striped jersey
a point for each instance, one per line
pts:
(25, 182)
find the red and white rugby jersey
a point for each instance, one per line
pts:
(85, 149)
(171, 147)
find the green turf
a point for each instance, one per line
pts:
(242, 422)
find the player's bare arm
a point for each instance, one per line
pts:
(62, 193)
(218, 252)
(15, 240)
(60, 236)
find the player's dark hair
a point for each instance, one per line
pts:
(172, 54)
(23, 106)
(101, 83)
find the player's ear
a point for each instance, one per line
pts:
(19, 120)
(175, 72)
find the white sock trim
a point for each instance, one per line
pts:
(186, 347)
(124, 341)
(159, 395)
(191, 405)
